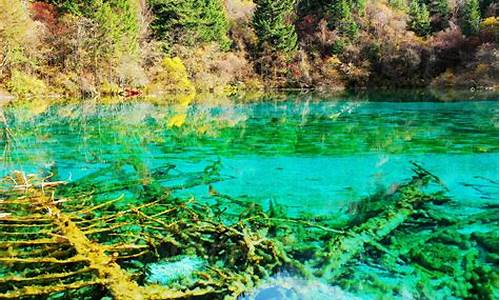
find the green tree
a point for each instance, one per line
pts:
(420, 21)
(359, 6)
(471, 17)
(441, 9)
(191, 21)
(273, 26)
(118, 23)
(342, 19)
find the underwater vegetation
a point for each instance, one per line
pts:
(133, 238)
(296, 198)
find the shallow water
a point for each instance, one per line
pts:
(310, 154)
(315, 155)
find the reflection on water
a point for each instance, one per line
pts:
(311, 155)
(307, 155)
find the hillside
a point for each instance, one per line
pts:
(87, 48)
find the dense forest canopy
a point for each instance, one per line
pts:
(77, 47)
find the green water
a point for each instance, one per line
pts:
(317, 155)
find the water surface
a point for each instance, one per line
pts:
(310, 154)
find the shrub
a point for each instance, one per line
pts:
(480, 73)
(24, 85)
(211, 69)
(109, 89)
(45, 13)
(489, 29)
(171, 76)
(338, 46)
(175, 72)
(129, 72)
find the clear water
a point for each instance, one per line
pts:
(312, 154)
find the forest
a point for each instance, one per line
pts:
(125, 47)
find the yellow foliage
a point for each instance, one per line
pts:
(334, 60)
(108, 88)
(175, 74)
(170, 76)
(489, 22)
(17, 32)
(177, 120)
(185, 100)
(24, 85)
(490, 26)
(482, 68)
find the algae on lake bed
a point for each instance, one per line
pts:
(64, 240)
(245, 200)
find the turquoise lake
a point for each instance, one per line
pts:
(312, 154)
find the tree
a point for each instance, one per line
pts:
(191, 21)
(18, 36)
(440, 10)
(118, 22)
(273, 26)
(420, 21)
(341, 18)
(471, 17)
(359, 6)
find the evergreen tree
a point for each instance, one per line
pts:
(420, 21)
(471, 17)
(341, 18)
(441, 9)
(191, 21)
(272, 24)
(118, 22)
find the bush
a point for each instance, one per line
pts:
(24, 85)
(489, 29)
(171, 76)
(480, 73)
(211, 69)
(447, 48)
